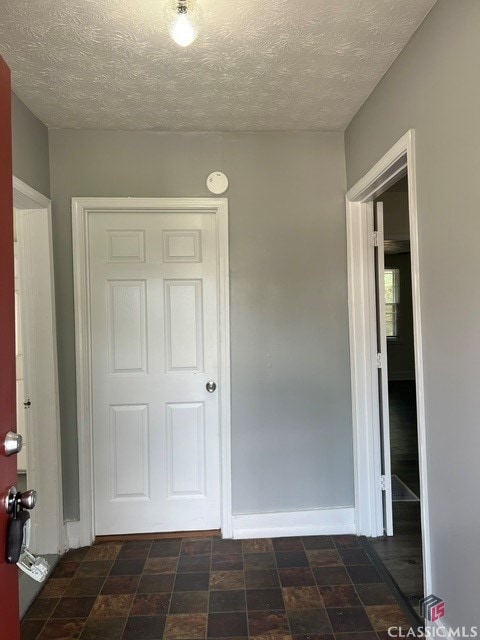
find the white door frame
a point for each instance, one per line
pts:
(44, 467)
(83, 533)
(400, 160)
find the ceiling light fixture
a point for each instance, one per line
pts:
(183, 17)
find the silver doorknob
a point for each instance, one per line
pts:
(13, 443)
(28, 499)
(15, 500)
(211, 386)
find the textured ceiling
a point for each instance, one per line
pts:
(270, 65)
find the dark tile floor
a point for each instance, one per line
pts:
(314, 588)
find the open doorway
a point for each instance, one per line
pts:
(400, 549)
(380, 397)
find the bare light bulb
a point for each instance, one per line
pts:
(183, 31)
(182, 18)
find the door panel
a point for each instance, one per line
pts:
(127, 333)
(186, 449)
(153, 304)
(129, 441)
(9, 615)
(384, 411)
(184, 325)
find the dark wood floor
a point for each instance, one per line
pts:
(403, 433)
(402, 553)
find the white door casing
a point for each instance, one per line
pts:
(151, 294)
(384, 411)
(33, 225)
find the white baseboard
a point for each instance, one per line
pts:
(294, 523)
(264, 525)
(73, 535)
(77, 536)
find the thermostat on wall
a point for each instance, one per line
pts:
(217, 183)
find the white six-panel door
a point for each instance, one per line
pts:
(154, 333)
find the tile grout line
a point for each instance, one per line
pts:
(99, 593)
(281, 587)
(354, 585)
(60, 597)
(103, 584)
(172, 591)
(176, 574)
(138, 585)
(245, 588)
(316, 584)
(209, 591)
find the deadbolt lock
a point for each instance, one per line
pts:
(13, 443)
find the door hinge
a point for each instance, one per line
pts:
(379, 361)
(375, 238)
(383, 483)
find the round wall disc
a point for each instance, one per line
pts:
(217, 183)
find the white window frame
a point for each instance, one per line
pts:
(394, 305)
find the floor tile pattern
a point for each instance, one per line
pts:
(312, 588)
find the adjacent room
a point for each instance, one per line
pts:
(401, 549)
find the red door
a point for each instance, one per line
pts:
(9, 616)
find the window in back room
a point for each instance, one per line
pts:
(392, 302)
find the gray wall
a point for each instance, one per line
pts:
(291, 411)
(395, 207)
(30, 148)
(433, 87)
